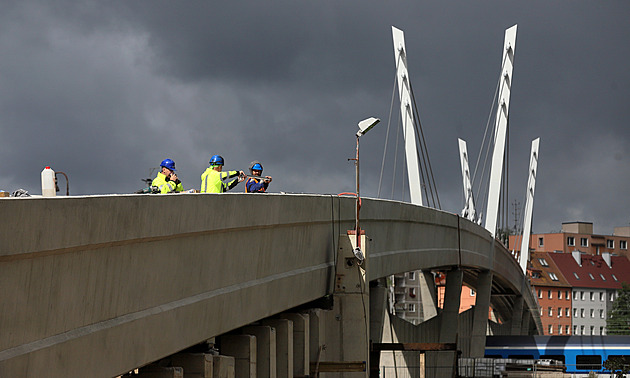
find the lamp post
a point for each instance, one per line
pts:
(364, 126)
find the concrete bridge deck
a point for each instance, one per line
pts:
(104, 284)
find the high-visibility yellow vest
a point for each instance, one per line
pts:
(166, 186)
(212, 181)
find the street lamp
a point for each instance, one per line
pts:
(364, 126)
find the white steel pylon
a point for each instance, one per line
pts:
(406, 109)
(529, 204)
(492, 211)
(468, 211)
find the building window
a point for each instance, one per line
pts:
(592, 313)
(614, 277)
(592, 330)
(602, 297)
(610, 243)
(559, 330)
(588, 362)
(584, 242)
(590, 275)
(566, 295)
(472, 292)
(575, 330)
(549, 295)
(576, 295)
(541, 242)
(582, 295)
(623, 244)
(601, 314)
(571, 241)
(550, 329)
(567, 329)
(559, 312)
(575, 312)
(412, 292)
(576, 276)
(581, 330)
(543, 262)
(535, 274)
(601, 330)
(582, 313)
(412, 276)
(412, 307)
(612, 297)
(602, 276)
(592, 296)
(567, 313)
(554, 278)
(541, 311)
(559, 294)
(550, 310)
(540, 294)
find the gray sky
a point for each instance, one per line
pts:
(103, 91)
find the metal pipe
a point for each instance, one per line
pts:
(357, 204)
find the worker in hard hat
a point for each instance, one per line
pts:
(166, 180)
(213, 179)
(256, 183)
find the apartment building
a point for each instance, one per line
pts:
(408, 303)
(577, 236)
(594, 282)
(553, 293)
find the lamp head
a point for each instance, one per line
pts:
(366, 125)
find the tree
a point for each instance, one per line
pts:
(618, 322)
(617, 367)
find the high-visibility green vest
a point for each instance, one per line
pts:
(166, 186)
(212, 181)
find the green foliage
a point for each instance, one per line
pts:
(617, 367)
(503, 234)
(618, 321)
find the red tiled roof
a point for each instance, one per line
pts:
(592, 269)
(545, 278)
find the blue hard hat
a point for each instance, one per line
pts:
(168, 163)
(216, 160)
(255, 166)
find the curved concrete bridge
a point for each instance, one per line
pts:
(100, 285)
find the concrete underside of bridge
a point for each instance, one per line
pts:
(100, 285)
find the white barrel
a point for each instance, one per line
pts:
(48, 183)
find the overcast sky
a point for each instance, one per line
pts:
(104, 90)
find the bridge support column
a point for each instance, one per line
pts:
(223, 367)
(265, 350)
(428, 295)
(527, 316)
(316, 335)
(161, 372)
(517, 316)
(378, 309)
(243, 349)
(449, 325)
(378, 317)
(480, 315)
(197, 364)
(301, 331)
(347, 325)
(450, 312)
(284, 346)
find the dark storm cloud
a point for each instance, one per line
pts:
(106, 90)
